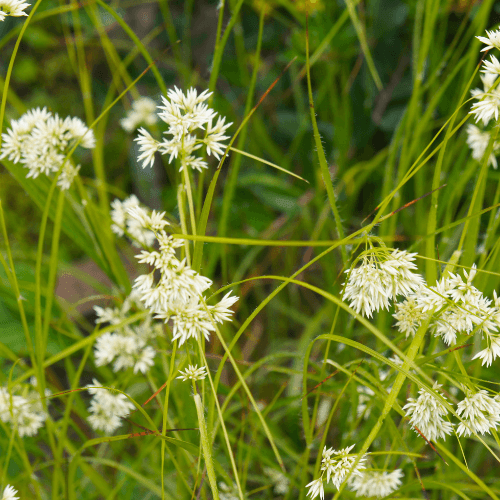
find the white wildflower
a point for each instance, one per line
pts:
(143, 111)
(148, 146)
(41, 141)
(409, 315)
(375, 483)
(478, 142)
(13, 8)
(25, 413)
(480, 413)
(186, 115)
(9, 493)
(371, 286)
(124, 223)
(280, 481)
(316, 488)
(426, 413)
(128, 346)
(488, 101)
(193, 373)
(337, 465)
(492, 40)
(491, 352)
(492, 66)
(107, 409)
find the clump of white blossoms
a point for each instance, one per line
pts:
(480, 413)
(337, 465)
(176, 294)
(14, 8)
(376, 483)
(380, 278)
(190, 128)
(456, 306)
(41, 140)
(143, 111)
(192, 372)
(9, 493)
(280, 481)
(25, 413)
(426, 414)
(478, 141)
(128, 346)
(124, 224)
(107, 409)
(487, 105)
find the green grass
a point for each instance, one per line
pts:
(342, 118)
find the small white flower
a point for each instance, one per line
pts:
(426, 413)
(372, 285)
(281, 482)
(193, 373)
(375, 483)
(148, 146)
(186, 115)
(316, 488)
(41, 141)
(478, 142)
(143, 111)
(492, 66)
(13, 8)
(491, 352)
(9, 493)
(492, 40)
(481, 413)
(107, 409)
(25, 413)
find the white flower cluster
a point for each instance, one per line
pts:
(107, 409)
(280, 481)
(13, 8)
(9, 493)
(24, 412)
(41, 141)
(376, 483)
(123, 223)
(336, 464)
(456, 306)
(143, 111)
(177, 294)
(372, 285)
(128, 346)
(487, 105)
(426, 414)
(480, 413)
(228, 492)
(185, 115)
(193, 373)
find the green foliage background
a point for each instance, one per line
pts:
(388, 78)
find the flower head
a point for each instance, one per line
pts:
(193, 373)
(492, 40)
(426, 413)
(190, 128)
(41, 141)
(107, 409)
(480, 412)
(13, 8)
(373, 284)
(375, 483)
(9, 493)
(143, 111)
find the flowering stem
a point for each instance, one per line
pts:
(391, 399)
(205, 443)
(189, 192)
